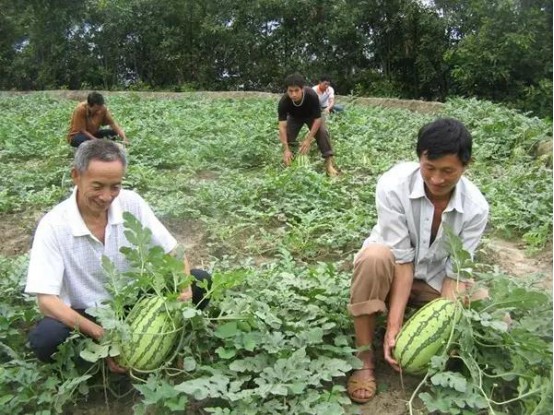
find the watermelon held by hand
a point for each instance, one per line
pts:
(302, 160)
(425, 335)
(154, 330)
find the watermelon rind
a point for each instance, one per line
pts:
(425, 335)
(153, 332)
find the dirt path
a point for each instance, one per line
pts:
(512, 258)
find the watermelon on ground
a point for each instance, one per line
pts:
(425, 335)
(154, 331)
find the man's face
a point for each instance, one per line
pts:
(441, 175)
(324, 85)
(95, 108)
(295, 93)
(98, 186)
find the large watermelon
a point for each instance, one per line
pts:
(425, 335)
(153, 334)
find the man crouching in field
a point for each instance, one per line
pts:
(88, 117)
(65, 269)
(405, 260)
(297, 107)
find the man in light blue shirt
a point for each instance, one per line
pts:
(406, 259)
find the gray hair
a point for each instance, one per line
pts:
(100, 149)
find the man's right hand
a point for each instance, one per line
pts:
(388, 345)
(114, 367)
(287, 157)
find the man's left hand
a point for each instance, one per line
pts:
(305, 146)
(186, 294)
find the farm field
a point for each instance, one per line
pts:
(280, 242)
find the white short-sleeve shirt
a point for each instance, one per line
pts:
(324, 96)
(405, 216)
(66, 258)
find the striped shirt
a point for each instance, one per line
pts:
(66, 258)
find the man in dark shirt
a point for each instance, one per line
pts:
(297, 107)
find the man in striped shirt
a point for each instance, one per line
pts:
(65, 268)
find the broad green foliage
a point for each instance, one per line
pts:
(280, 242)
(490, 49)
(498, 360)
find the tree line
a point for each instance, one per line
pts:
(499, 50)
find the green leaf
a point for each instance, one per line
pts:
(191, 312)
(202, 388)
(6, 398)
(225, 353)
(189, 364)
(227, 330)
(94, 351)
(450, 379)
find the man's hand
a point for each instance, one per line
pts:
(452, 289)
(287, 157)
(114, 367)
(186, 294)
(388, 345)
(305, 146)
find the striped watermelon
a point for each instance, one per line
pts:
(153, 334)
(425, 335)
(302, 160)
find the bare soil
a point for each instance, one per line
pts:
(192, 236)
(16, 232)
(512, 258)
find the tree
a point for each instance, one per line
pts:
(502, 52)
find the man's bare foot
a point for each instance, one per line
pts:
(329, 168)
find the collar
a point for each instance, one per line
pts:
(418, 191)
(77, 223)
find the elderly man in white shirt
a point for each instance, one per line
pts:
(405, 259)
(65, 269)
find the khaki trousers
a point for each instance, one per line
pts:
(372, 279)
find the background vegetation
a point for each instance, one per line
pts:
(280, 242)
(498, 50)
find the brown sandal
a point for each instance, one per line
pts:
(369, 384)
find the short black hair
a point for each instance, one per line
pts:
(325, 78)
(295, 79)
(442, 137)
(95, 98)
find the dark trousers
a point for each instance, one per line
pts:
(49, 333)
(79, 139)
(322, 137)
(336, 108)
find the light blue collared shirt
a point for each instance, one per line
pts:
(405, 216)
